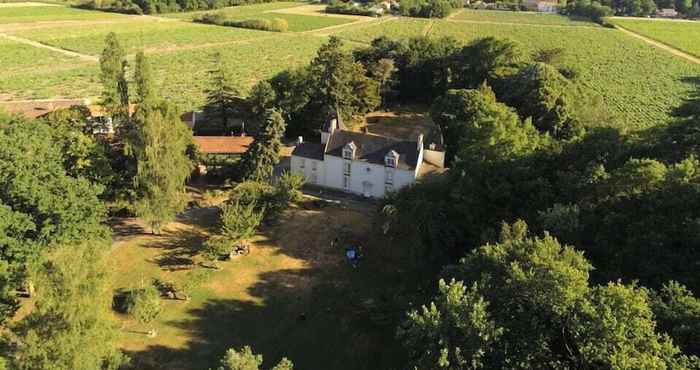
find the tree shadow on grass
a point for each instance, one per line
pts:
(325, 315)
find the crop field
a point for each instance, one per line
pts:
(640, 93)
(683, 35)
(17, 14)
(150, 36)
(500, 16)
(297, 22)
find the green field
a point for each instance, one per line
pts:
(500, 16)
(623, 70)
(50, 13)
(135, 36)
(682, 35)
(297, 22)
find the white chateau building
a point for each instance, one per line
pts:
(365, 164)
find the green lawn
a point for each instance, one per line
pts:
(500, 16)
(292, 296)
(640, 83)
(51, 13)
(679, 34)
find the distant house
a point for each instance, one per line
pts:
(666, 13)
(541, 6)
(221, 150)
(547, 7)
(362, 163)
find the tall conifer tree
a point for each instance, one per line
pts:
(259, 161)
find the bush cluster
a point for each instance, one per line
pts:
(428, 8)
(273, 25)
(162, 6)
(348, 8)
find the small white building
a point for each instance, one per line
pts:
(362, 163)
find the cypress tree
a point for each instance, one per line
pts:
(259, 161)
(221, 96)
(115, 90)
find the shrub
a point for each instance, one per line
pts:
(274, 25)
(347, 8)
(288, 187)
(143, 304)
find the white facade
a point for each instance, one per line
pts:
(368, 178)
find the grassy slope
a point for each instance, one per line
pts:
(520, 17)
(679, 34)
(623, 70)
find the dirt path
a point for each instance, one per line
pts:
(520, 24)
(43, 46)
(660, 45)
(362, 23)
(428, 28)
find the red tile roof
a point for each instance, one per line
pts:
(223, 144)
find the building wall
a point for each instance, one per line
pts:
(359, 174)
(308, 168)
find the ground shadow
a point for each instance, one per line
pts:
(327, 315)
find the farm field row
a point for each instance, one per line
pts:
(624, 71)
(678, 34)
(640, 93)
(500, 16)
(31, 14)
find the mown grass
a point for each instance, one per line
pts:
(243, 10)
(500, 16)
(51, 13)
(640, 83)
(89, 39)
(293, 296)
(682, 35)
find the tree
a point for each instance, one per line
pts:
(245, 359)
(531, 306)
(160, 148)
(70, 326)
(237, 222)
(483, 59)
(143, 303)
(476, 127)
(340, 82)
(40, 203)
(145, 89)
(383, 71)
(683, 6)
(115, 93)
(262, 97)
(258, 162)
(222, 96)
(677, 313)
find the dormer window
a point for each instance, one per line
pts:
(391, 158)
(349, 151)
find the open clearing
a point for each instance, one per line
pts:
(640, 94)
(682, 35)
(293, 296)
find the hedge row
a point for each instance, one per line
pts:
(274, 25)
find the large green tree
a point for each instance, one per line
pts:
(115, 91)
(259, 161)
(530, 306)
(70, 326)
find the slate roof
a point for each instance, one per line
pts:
(309, 150)
(373, 148)
(223, 144)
